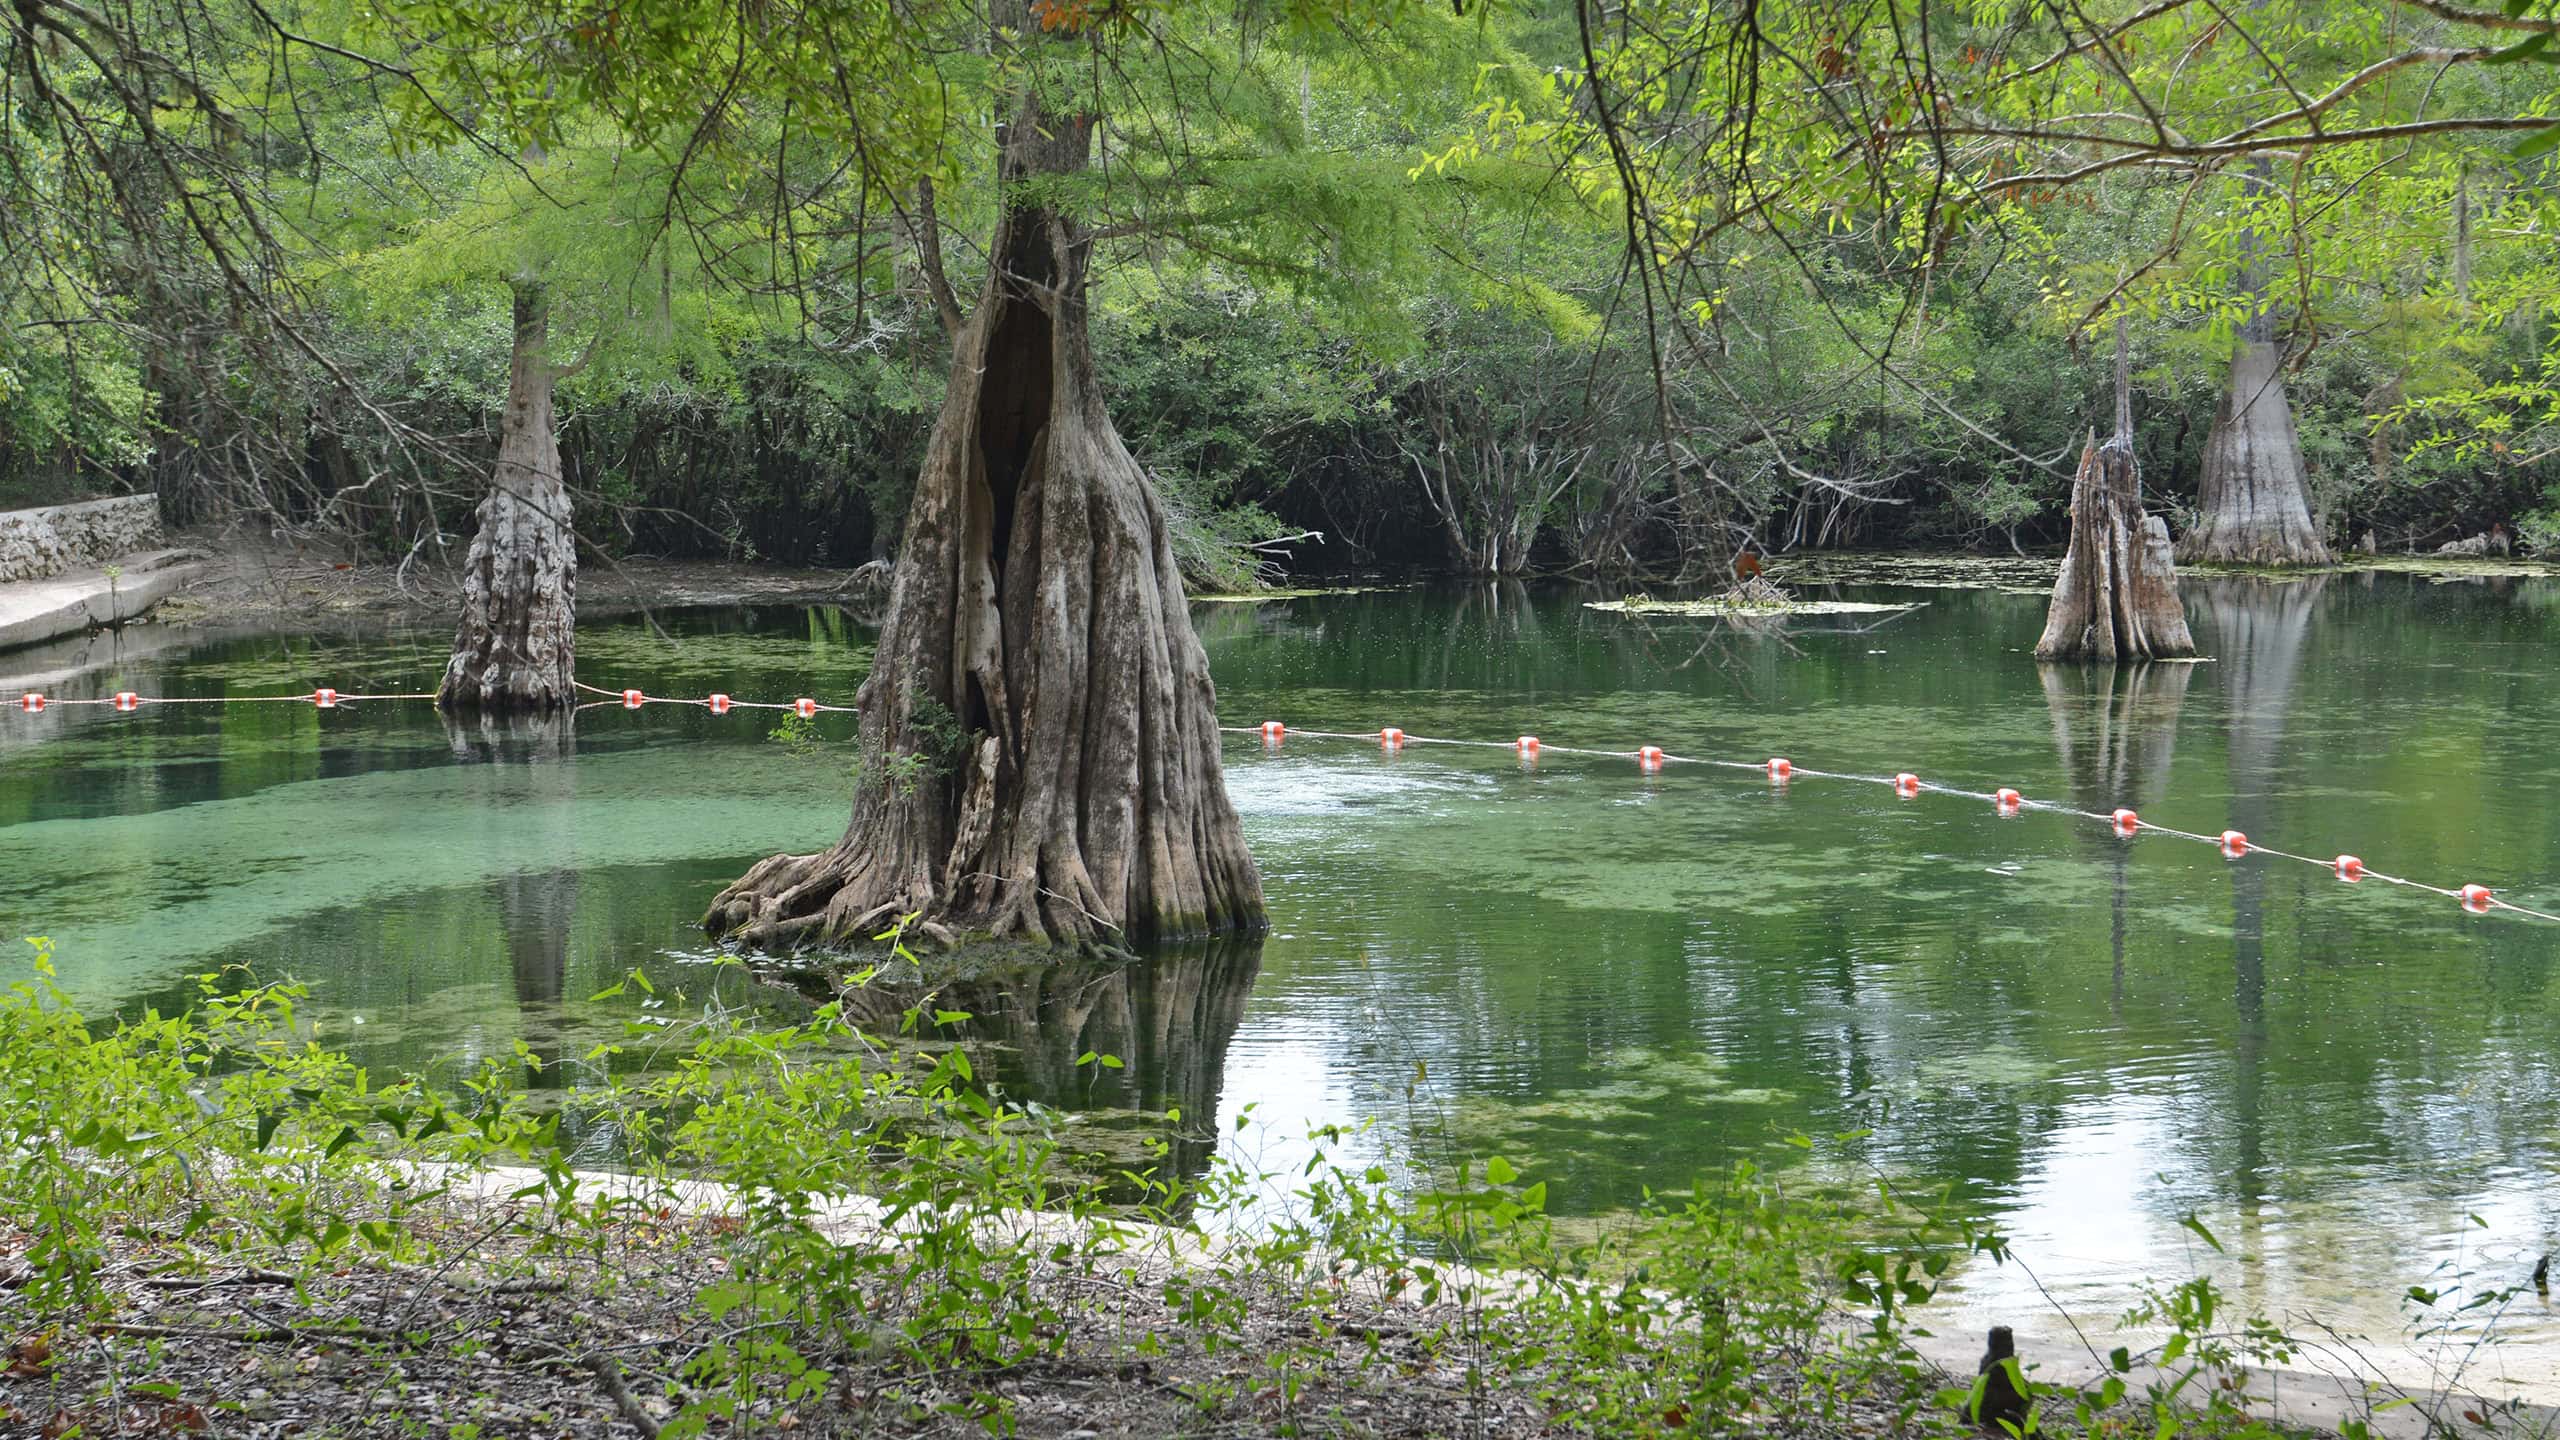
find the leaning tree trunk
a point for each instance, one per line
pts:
(2252, 507)
(1039, 735)
(2116, 599)
(516, 644)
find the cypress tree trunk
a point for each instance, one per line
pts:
(2252, 507)
(516, 644)
(1039, 734)
(2116, 599)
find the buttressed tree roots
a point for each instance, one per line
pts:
(2252, 507)
(1039, 741)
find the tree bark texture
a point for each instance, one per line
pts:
(1040, 747)
(2252, 506)
(516, 644)
(2116, 599)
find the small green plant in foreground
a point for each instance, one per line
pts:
(230, 1136)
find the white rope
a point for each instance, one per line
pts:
(2474, 897)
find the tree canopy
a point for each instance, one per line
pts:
(1809, 271)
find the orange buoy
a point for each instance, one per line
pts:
(1273, 732)
(1526, 744)
(2008, 800)
(1780, 769)
(719, 704)
(804, 707)
(2476, 898)
(1906, 784)
(2234, 844)
(633, 699)
(2349, 868)
(2126, 822)
(325, 699)
(1650, 757)
(127, 700)
(31, 702)
(1391, 738)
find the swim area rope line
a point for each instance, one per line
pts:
(34, 703)
(2478, 899)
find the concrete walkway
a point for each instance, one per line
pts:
(76, 601)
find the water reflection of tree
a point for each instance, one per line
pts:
(2261, 630)
(2116, 731)
(1167, 1019)
(526, 768)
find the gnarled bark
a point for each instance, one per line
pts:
(2251, 507)
(1039, 733)
(2117, 596)
(2116, 599)
(516, 644)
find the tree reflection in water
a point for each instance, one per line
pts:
(1167, 1018)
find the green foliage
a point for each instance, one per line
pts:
(231, 1122)
(880, 1206)
(1828, 277)
(929, 750)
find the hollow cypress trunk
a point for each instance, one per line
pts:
(1039, 746)
(516, 643)
(2252, 507)
(2116, 599)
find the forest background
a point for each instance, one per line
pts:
(259, 259)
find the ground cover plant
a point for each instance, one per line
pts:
(217, 1224)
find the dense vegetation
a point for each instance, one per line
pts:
(1489, 293)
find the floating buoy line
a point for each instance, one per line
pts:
(2007, 801)
(36, 703)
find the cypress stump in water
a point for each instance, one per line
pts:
(516, 643)
(2117, 596)
(1039, 735)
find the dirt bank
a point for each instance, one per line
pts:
(252, 581)
(511, 1332)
